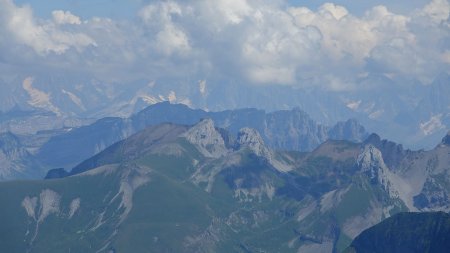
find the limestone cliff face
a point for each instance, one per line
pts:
(208, 140)
(251, 139)
(371, 163)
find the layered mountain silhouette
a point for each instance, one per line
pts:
(285, 130)
(201, 188)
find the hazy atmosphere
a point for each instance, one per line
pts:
(204, 126)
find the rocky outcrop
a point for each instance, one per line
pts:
(349, 130)
(434, 195)
(208, 140)
(251, 139)
(372, 164)
(280, 130)
(15, 161)
(392, 152)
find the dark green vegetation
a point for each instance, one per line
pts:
(174, 188)
(406, 233)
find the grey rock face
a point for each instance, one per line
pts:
(250, 138)
(392, 152)
(434, 195)
(349, 130)
(207, 138)
(371, 162)
(15, 161)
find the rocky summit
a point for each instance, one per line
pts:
(202, 126)
(199, 188)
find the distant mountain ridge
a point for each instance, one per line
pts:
(199, 188)
(281, 130)
(405, 111)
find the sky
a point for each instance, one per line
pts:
(258, 42)
(128, 8)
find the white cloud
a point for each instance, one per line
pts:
(437, 10)
(43, 37)
(230, 11)
(169, 38)
(65, 17)
(250, 41)
(330, 10)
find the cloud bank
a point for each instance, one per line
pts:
(249, 41)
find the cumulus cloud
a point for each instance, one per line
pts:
(169, 38)
(65, 17)
(43, 37)
(251, 41)
(437, 10)
(271, 42)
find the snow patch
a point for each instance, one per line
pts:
(172, 97)
(376, 114)
(202, 87)
(149, 99)
(354, 105)
(39, 98)
(433, 125)
(74, 99)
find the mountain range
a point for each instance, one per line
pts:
(405, 111)
(281, 130)
(200, 188)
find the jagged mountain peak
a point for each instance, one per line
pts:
(371, 163)
(250, 138)
(350, 130)
(370, 157)
(392, 152)
(207, 138)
